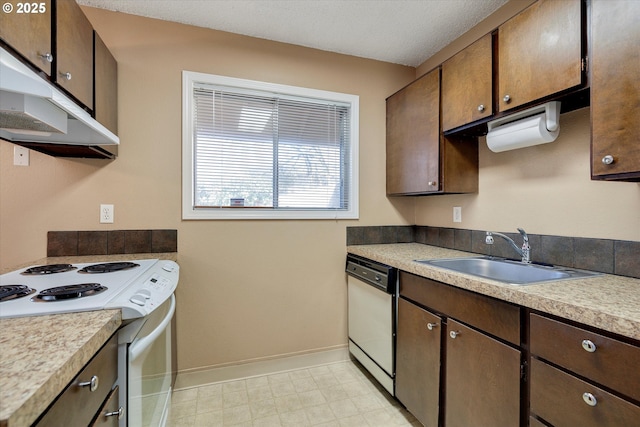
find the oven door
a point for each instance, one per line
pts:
(149, 369)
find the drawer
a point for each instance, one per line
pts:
(109, 414)
(557, 398)
(493, 316)
(612, 363)
(77, 405)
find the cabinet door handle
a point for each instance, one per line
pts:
(507, 98)
(589, 346)
(481, 108)
(92, 383)
(608, 159)
(454, 334)
(66, 76)
(430, 326)
(589, 399)
(433, 183)
(46, 56)
(117, 413)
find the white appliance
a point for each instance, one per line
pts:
(372, 300)
(142, 289)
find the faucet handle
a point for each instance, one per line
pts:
(524, 234)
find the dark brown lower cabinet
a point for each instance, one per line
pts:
(418, 362)
(566, 401)
(482, 380)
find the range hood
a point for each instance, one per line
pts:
(37, 115)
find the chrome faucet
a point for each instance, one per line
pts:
(524, 252)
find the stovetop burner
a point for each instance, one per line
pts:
(67, 292)
(11, 292)
(49, 269)
(108, 267)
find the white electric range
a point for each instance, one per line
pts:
(144, 291)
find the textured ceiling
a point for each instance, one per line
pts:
(404, 32)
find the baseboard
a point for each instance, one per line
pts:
(257, 367)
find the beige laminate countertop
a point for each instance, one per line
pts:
(608, 302)
(40, 355)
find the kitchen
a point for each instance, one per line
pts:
(229, 314)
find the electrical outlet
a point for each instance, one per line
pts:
(457, 214)
(20, 156)
(106, 214)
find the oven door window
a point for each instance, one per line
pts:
(150, 369)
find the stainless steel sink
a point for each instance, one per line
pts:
(507, 271)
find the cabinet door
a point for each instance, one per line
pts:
(539, 52)
(482, 380)
(413, 137)
(467, 86)
(106, 82)
(74, 49)
(29, 33)
(418, 362)
(615, 87)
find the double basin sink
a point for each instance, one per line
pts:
(508, 271)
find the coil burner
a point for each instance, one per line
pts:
(68, 292)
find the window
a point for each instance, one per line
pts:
(254, 150)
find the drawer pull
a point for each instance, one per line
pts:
(92, 384)
(117, 413)
(454, 334)
(589, 399)
(589, 346)
(430, 326)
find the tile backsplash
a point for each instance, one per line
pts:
(620, 257)
(72, 243)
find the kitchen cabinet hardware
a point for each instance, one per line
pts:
(66, 76)
(433, 183)
(589, 346)
(506, 98)
(431, 326)
(608, 160)
(454, 334)
(481, 108)
(92, 383)
(48, 57)
(589, 399)
(117, 413)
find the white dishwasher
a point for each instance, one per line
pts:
(372, 291)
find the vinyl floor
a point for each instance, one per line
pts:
(339, 394)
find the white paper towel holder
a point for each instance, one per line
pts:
(534, 126)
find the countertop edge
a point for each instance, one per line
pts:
(607, 302)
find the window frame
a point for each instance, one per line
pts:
(190, 212)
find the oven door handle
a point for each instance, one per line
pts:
(141, 345)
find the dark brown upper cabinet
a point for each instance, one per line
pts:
(467, 85)
(106, 86)
(420, 160)
(540, 53)
(615, 90)
(30, 33)
(74, 51)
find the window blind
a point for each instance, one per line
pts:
(256, 149)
